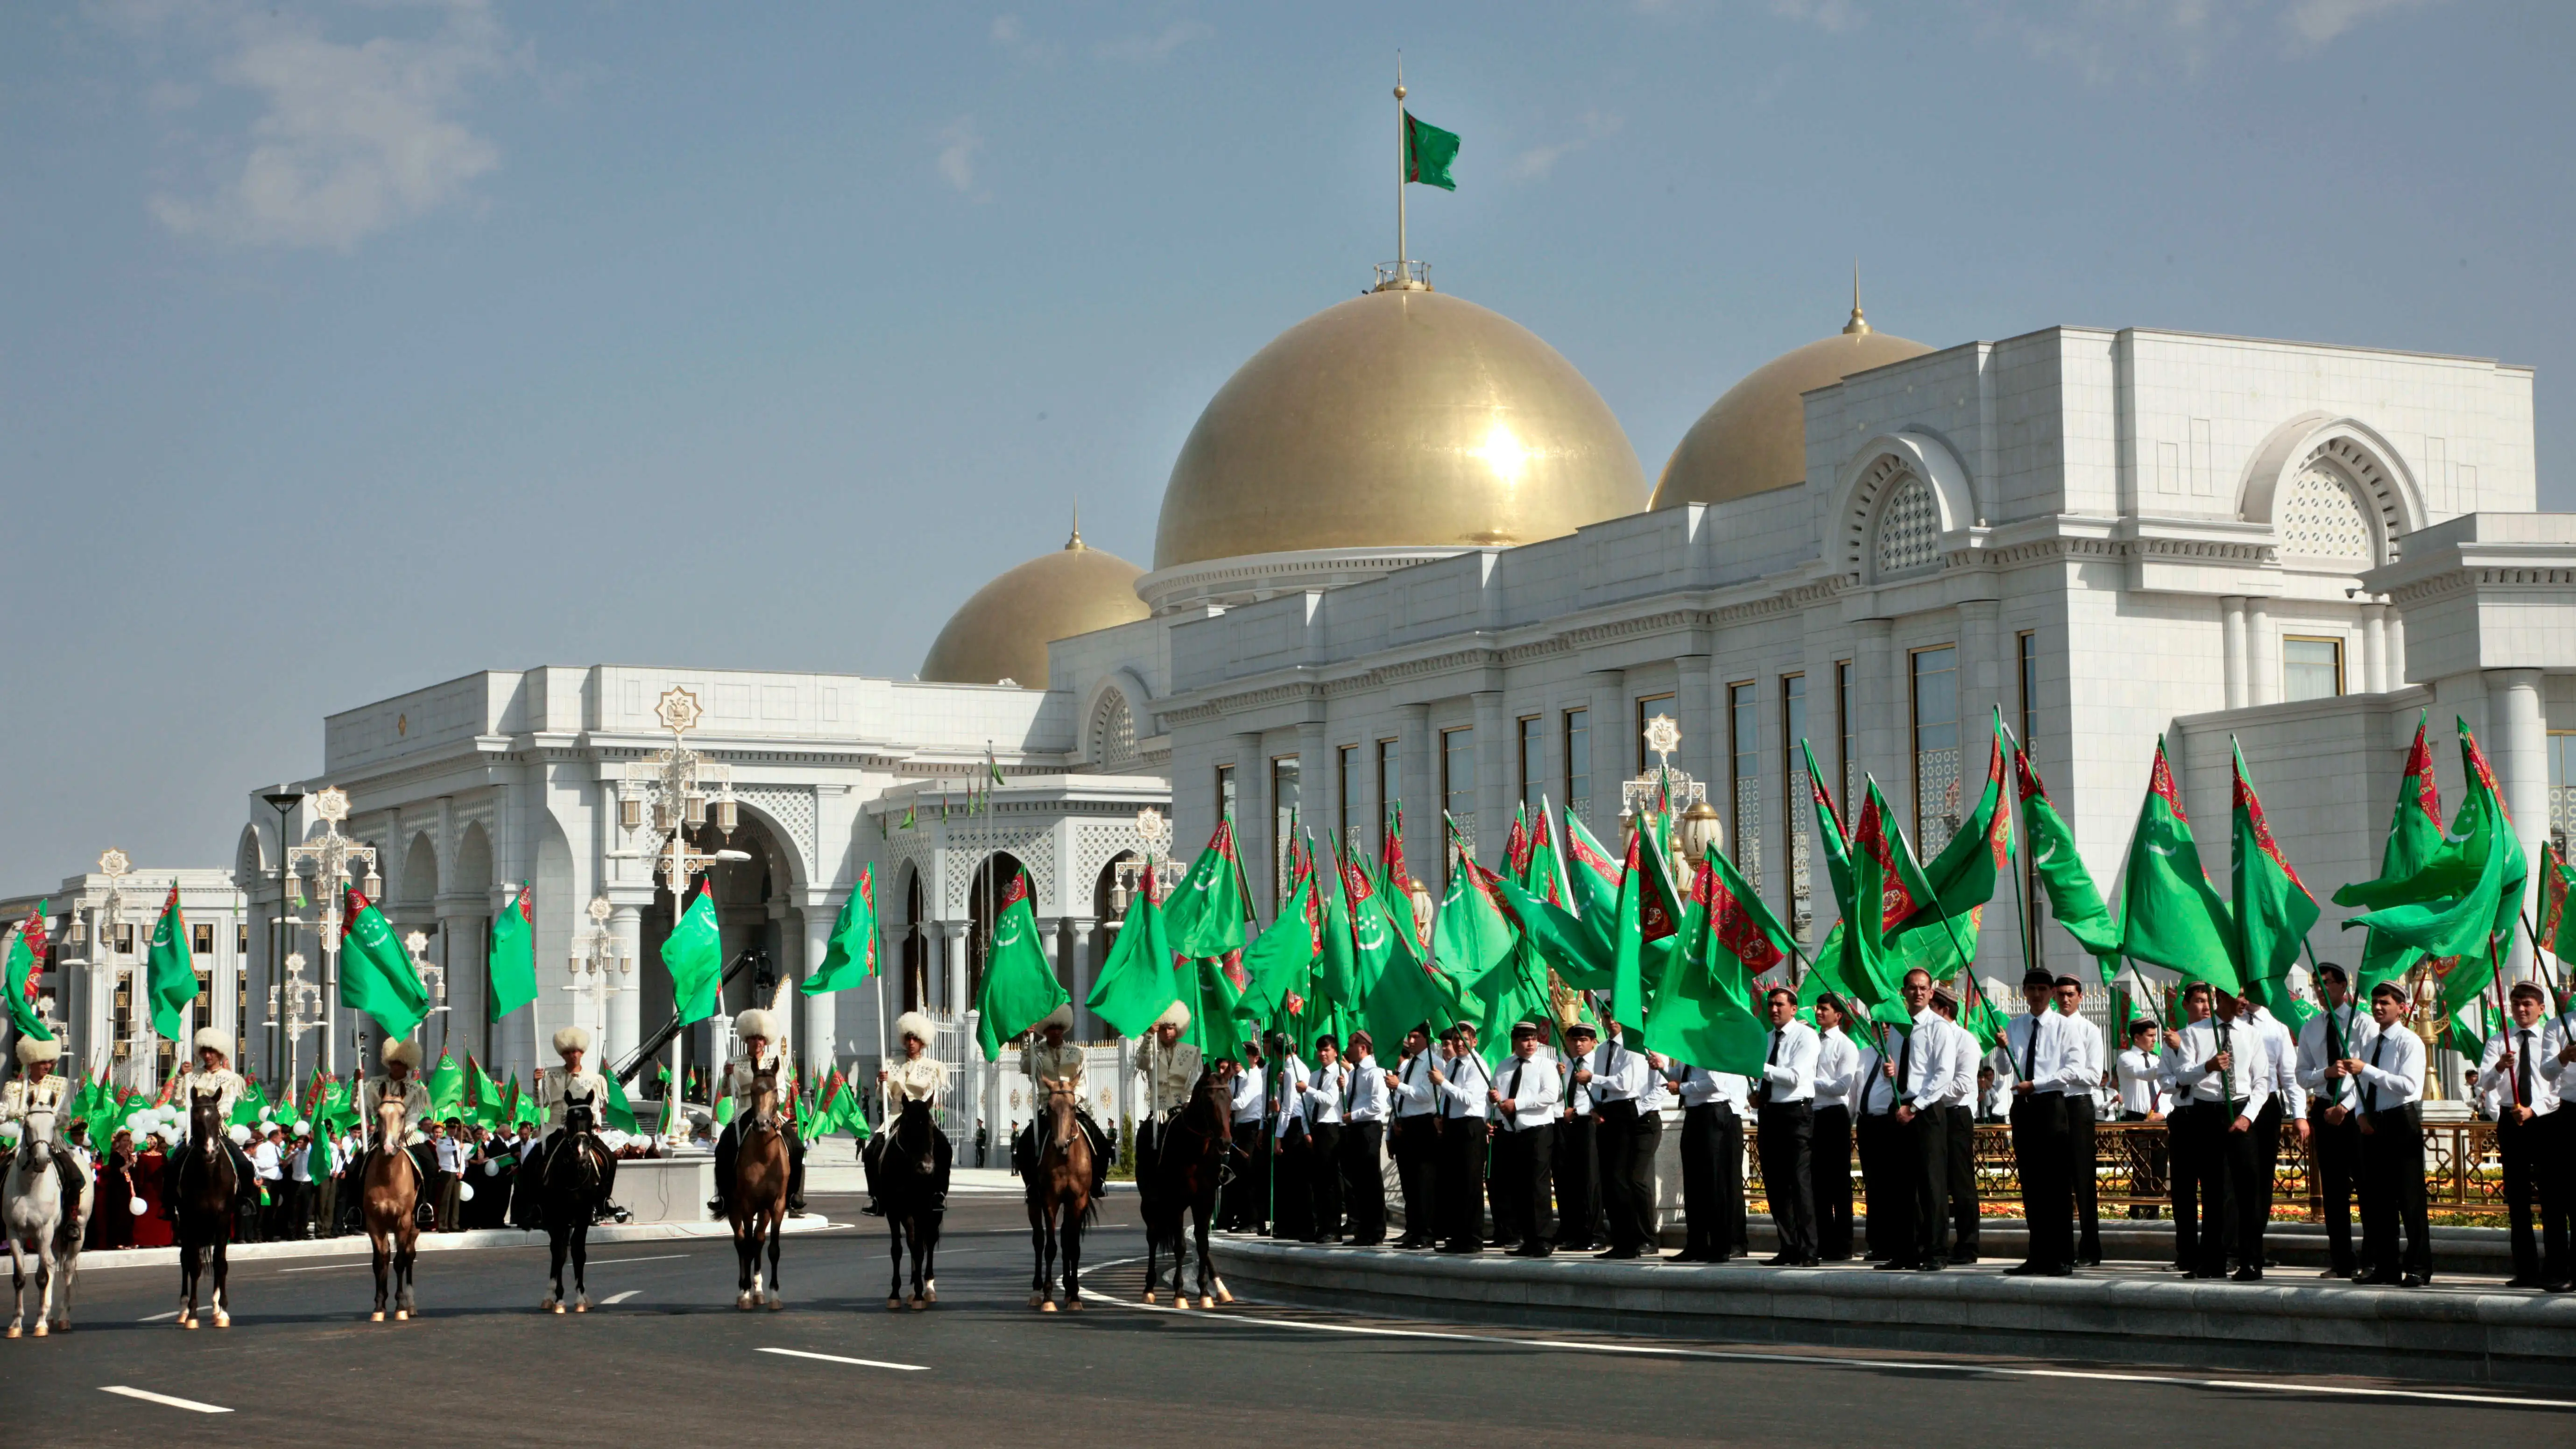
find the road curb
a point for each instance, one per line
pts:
(356, 1244)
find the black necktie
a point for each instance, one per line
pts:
(1512, 1092)
(1904, 1071)
(2522, 1071)
(2030, 1051)
(2370, 1093)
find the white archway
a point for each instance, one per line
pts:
(1887, 470)
(2284, 486)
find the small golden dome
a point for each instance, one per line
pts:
(1754, 439)
(1002, 632)
(1396, 418)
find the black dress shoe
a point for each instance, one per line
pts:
(2414, 1280)
(1622, 1254)
(1930, 1265)
(1542, 1250)
(2525, 1281)
(1962, 1260)
(2559, 1285)
(1892, 1265)
(1575, 1245)
(2379, 1280)
(1783, 1260)
(2025, 1269)
(2247, 1275)
(2213, 1275)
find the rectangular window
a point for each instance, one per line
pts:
(241, 939)
(1225, 792)
(2562, 776)
(1457, 787)
(1578, 762)
(1283, 821)
(1744, 778)
(125, 938)
(1390, 787)
(1798, 801)
(202, 938)
(2311, 668)
(1647, 708)
(1533, 762)
(1346, 767)
(1847, 730)
(1936, 748)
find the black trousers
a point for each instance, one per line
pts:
(1712, 1181)
(2249, 1189)
(2338, 1151)
(1363, 1181)
(2526, 1148)
(1417, 1148)
(1246, 1208)
(1927, 1158)
(2558, 1194)
(1887, 1186)
(1829, 1164)
(2202, 1183)
(2392, 1193)
(2080, 1168)
(1324, 1178)
(2267, 1145)
(2039, 1154)
(2182, 1182)
(1961, 1128)
(1628, 1139)
(1787, 1143)
(1458, 1189)
(1519, 1186)
(1577, 1170)
(1292, 1207)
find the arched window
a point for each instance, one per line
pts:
(1113, 734)
(1909, 530)
(2323, 517)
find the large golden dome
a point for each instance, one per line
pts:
(1754, 439)
(1002, 632)
(1402, 417)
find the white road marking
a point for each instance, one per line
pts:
(1827, 1360)
(158, 1317)
(656, 1258)
(327, 1267)
(910, 1368)
(613, 1299)
(152, 1398)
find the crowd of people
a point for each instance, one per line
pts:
(1557, 1146)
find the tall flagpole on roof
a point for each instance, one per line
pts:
(1401, 255)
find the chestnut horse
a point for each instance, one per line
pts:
(209, 1190)
(1188, 1166)
(388, 1202)
(758, 1203)
(1060, 1202)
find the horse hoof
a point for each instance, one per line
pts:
(1149, 1295)
(1072, 1304)
(918, 1304)
(188, 1323)
(402, 1315)
(775, 1303)
(1207, 1302)
(559, 1308)
(894, 1305)
(15, 1330)
(41, 1330)
(1181, 1301)
(223, 1319)
(376, 1317)
(742, 1303)
(930, 1294)
(1047, 1307)
(1221, 1296)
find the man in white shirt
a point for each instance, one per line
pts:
(1458, 1185)
(2249, 1171)
(2334, 1117)
(1246, 1206)
(1712, 1152)
(1623, 1084)
(1365, 1111)
(1959, 1137)
(1524, 1101)
(2036, 1044)
(1577, 1167)
(1327, 1088)
(2527, 1134)
(2288, 1108)
(2084, 1082)
(268, 1161)
(1414, 1136)
(1788, 1124)
(1830, 1151)
(2390, 1076)
(1917, 1081)
(2220, 1078)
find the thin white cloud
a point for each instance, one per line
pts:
(959, 143)
(1006, 30)
(2314, 22)
(1830, 15)
(1538, 161)
(1150, 49)
(354, 136)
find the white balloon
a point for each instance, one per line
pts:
(136, 1206)
(465, 1192)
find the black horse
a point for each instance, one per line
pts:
(208, 1188)
(912, 1185)
(570, 1191)
(1183, 1178)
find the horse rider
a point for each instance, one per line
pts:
(919, 1077)
(1051, 1064)
(1171, 1068)
(761, 1052)
(559, 1090)
(37, 1089)
(400, 1083)
(211, 1078)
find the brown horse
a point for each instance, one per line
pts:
(758, 1205)
(388, 1202)
(1060, 1202)
(209, 1188)
(1182, 1180)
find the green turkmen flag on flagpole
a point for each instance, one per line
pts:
(2557, 932)
(1428, 150)
(170, 972)
(621, 1109)
(1706, 1010)
(1281, 961)
(2170, 914)
(248, 1106)
(1205, 915)
(2414, 836)
(1138, 983)
(1941, 935)
(24, 961)
(2467, 897)
(446, 1088)
(2072, 898)
(483, 1102)
(1019, 984)
(2270, 907)
(514, 954)
(1471, 935)
(376, 974)
(1647, 912)
(1883, 875)
(694, 955)
(852, 956)
(1337, 961)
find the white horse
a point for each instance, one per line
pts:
(39, 1227)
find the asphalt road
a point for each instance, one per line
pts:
(671, 1361)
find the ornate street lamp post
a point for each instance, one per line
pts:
(329, 859)
(294, 1008)
(433, 980)
(594, 957)
(1672, 796)
(681, 788)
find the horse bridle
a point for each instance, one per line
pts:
(1072, 1115)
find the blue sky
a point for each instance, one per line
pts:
(351, 348)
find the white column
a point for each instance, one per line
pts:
(821, 1044)
(1879, 678)
(2518, 748)
(2231, 628)
(952, 937)
(1086, 1025)
(1417, 754)
(1251, 818)
(2374, 648)
(1051, 937)
(2262, 654)
(1610, 747)
(1494, 753)
(624, 1034)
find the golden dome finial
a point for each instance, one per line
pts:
(1858, 324)
(1075, 543)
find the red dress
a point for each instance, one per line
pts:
(150, 1230)
(112, 1224)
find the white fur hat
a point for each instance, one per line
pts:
(211, 1039)
(756, 1022)
(572, 1039)
(917, 1026)
(1176, 1014)
(31, 1051)
(405, 1052)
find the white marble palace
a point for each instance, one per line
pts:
(1408, 552)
